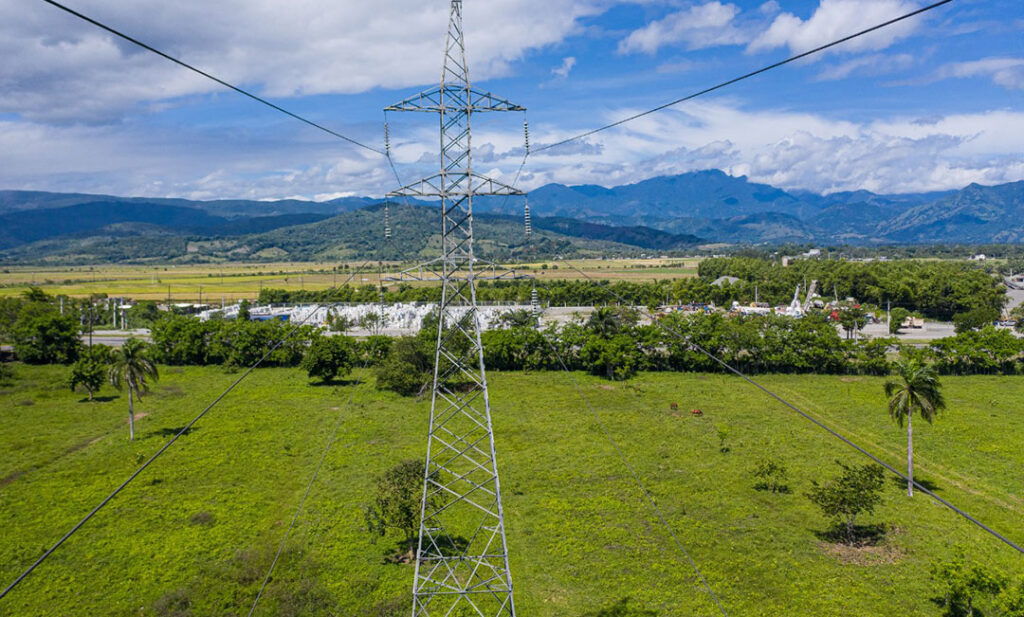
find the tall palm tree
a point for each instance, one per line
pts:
(916, 388)
(132, 368)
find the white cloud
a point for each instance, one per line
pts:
(698, 27)
(566, 66)
(1005, 72)
(57, 68)
(869, 65)
(834, 19)
(799, 151)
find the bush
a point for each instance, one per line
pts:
(771, 476)
(975, 319)
(406, 368)
(328, 357)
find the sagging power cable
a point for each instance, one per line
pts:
(184, 430)
(220, 81)
(745, 76)
(972, 519)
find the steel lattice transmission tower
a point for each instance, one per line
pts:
(462, 556)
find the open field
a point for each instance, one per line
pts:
(203, 521)
(235, 281)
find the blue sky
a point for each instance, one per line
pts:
(934, 103)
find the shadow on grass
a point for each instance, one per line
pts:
(955, 609)
(335, 383)
(623, 608)
(100, 399)
(171, 431)
(782, 489)
(402, 553)
(862, 535)
(925, 482)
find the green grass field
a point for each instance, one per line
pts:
(581, 535)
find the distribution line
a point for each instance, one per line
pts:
(220, 81)
(808, 416)
(636, 477)
(746, 76)
(302, 502)
(185, 429)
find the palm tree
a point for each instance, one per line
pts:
(604, 321)
(916, 389)
(131, 367)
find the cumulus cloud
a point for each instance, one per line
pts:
(834, 19)
(562, 71)
(698, 27)
(802, 151)
(1005, 72)
(57, 68)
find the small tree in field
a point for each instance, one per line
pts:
(132, 367)
(89, 373)
(896, 318)
(771, 476)
(327, 357)
(397, 506)
(963, 583)
(856, 491)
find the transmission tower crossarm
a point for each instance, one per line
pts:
(455, 185)
(453, 98)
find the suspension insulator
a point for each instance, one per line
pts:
(387, 140)
(387, 221)
(526, 216)
(526, 135)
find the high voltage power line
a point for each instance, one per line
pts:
(309, 487)
(806, 415)
(184, 430)
(220, 81)
(636, 478)
(745, 76)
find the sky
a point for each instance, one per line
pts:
(933, 103)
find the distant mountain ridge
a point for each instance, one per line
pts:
(664, 214)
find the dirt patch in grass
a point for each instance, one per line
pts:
(606, 387)
(138, 416)
(876, 551)
(850, 379)
(10, 478)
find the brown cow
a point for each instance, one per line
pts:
(696, 412)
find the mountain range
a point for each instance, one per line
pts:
(664, 214)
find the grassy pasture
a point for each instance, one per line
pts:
(235, 281)
(203, 521)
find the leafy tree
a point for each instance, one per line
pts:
(771, 476)
(856, 491)
(43, 336)
(975, 319)
(244, 314)
(144, 313)
(406, 368)
(616, 357)
(519, 318)
(329, 356)
(133, 369)
(89, 372)
(963, 583)
(339, 323)
(896, 318)
(372, 322)
(398, 501)
(604, 321)
(182, 340)
(1011, 600)
(852, 319)
(35, 294)
(916, 388)
(1017, 314)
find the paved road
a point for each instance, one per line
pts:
(116, 338)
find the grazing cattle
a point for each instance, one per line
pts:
(696, 412)
(673, 406)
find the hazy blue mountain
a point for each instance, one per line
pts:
(664, 213)
(974, 214)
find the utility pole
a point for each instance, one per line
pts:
(462, 563)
